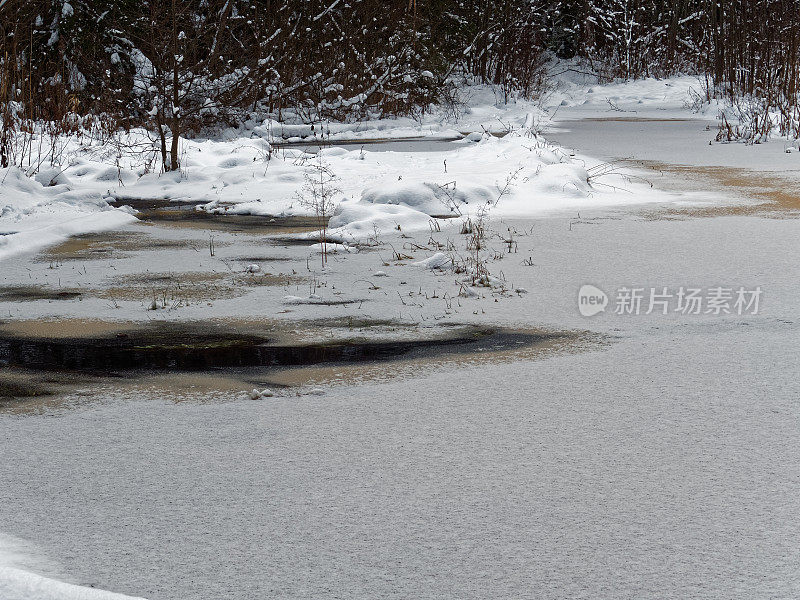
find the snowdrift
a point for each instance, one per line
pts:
(17, 584)
(33, 215)
(499, 162)
(18, 581)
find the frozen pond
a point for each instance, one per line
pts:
(675, 141)
(664, 463)
(659, 468)
(422, 144)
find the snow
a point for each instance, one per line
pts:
(16, 584)
(274, 131)
(33, 215)
(440, 260)
(429, 198)
(655, 456)
(668, 98)
(520, 174)
(19, 582)
(358, 220)
(388, 206)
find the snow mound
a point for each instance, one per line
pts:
(234, 161)
(568, 179)
(426, 197)
(114, 176)
(52, 176)
(630, 96)
(330, 247)
(17, 584)
(438, 261)
(33, 215)
(359, 220)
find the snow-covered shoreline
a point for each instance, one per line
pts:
(18, 584)
(33, 215)
(518, 175)
(20, 581)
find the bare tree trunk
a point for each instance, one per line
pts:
(176, 116)
(163, 139)
(173, 151)
(7, 123)
(176, 122)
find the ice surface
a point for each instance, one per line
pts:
(663, 464)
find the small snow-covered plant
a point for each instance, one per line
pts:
(374, 239)
(697, 101)
(447, 194)
(511, 244)
(505, 188)
(748, 118)
(534, 126)
(319, 195)
(476, 246)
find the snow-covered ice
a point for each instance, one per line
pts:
(659, 461)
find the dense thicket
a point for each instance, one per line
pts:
(755, 64)
(177, 65)
(324, 57)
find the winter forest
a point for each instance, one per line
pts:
(186, 66)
